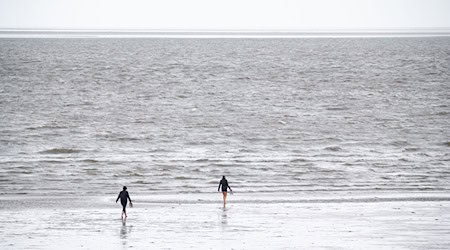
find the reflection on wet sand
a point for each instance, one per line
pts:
(223, 219)
(124, 232)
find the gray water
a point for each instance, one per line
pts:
(290, 116)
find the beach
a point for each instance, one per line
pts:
(338, 143)
(200, 222)
(224, 124)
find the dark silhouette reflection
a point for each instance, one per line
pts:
(124, 232)
(224, 218)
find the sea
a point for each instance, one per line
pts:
(280, 116)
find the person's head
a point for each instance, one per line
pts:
(124, 188)
(223, 176)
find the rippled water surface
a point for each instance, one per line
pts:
(273, 115)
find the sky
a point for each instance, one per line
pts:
(224, 14)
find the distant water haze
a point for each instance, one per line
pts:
(169, 116)
(177, 33)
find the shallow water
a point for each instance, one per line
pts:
(166, 116)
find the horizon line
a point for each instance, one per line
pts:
(338, 30)
(173, 33)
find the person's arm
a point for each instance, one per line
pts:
(118, 197)
(220, 184)
(230, 188)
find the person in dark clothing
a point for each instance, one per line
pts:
(124, 197)
(225, 186)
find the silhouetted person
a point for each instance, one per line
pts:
(225, 186)
(124, 197)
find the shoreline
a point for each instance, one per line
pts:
(270, 197)
(27, 202)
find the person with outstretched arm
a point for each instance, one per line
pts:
(124, 197)
(225, 186)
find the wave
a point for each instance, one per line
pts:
(411, 149)
(144, 122)
(333, 148)
(119, 137)
(202, 160)
(183, 178)
(61, 151)
(444, 113)
(399, 143)
(159, 150)
(47, 127)
(143, 182)
(128, 139)
(299, 160)
(90, 161)
(337, 108)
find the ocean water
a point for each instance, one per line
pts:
(168, 116)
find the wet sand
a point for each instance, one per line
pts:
(202, 223)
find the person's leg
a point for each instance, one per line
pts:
(224, 199)
(124, 211)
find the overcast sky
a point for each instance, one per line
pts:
(225, 14)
